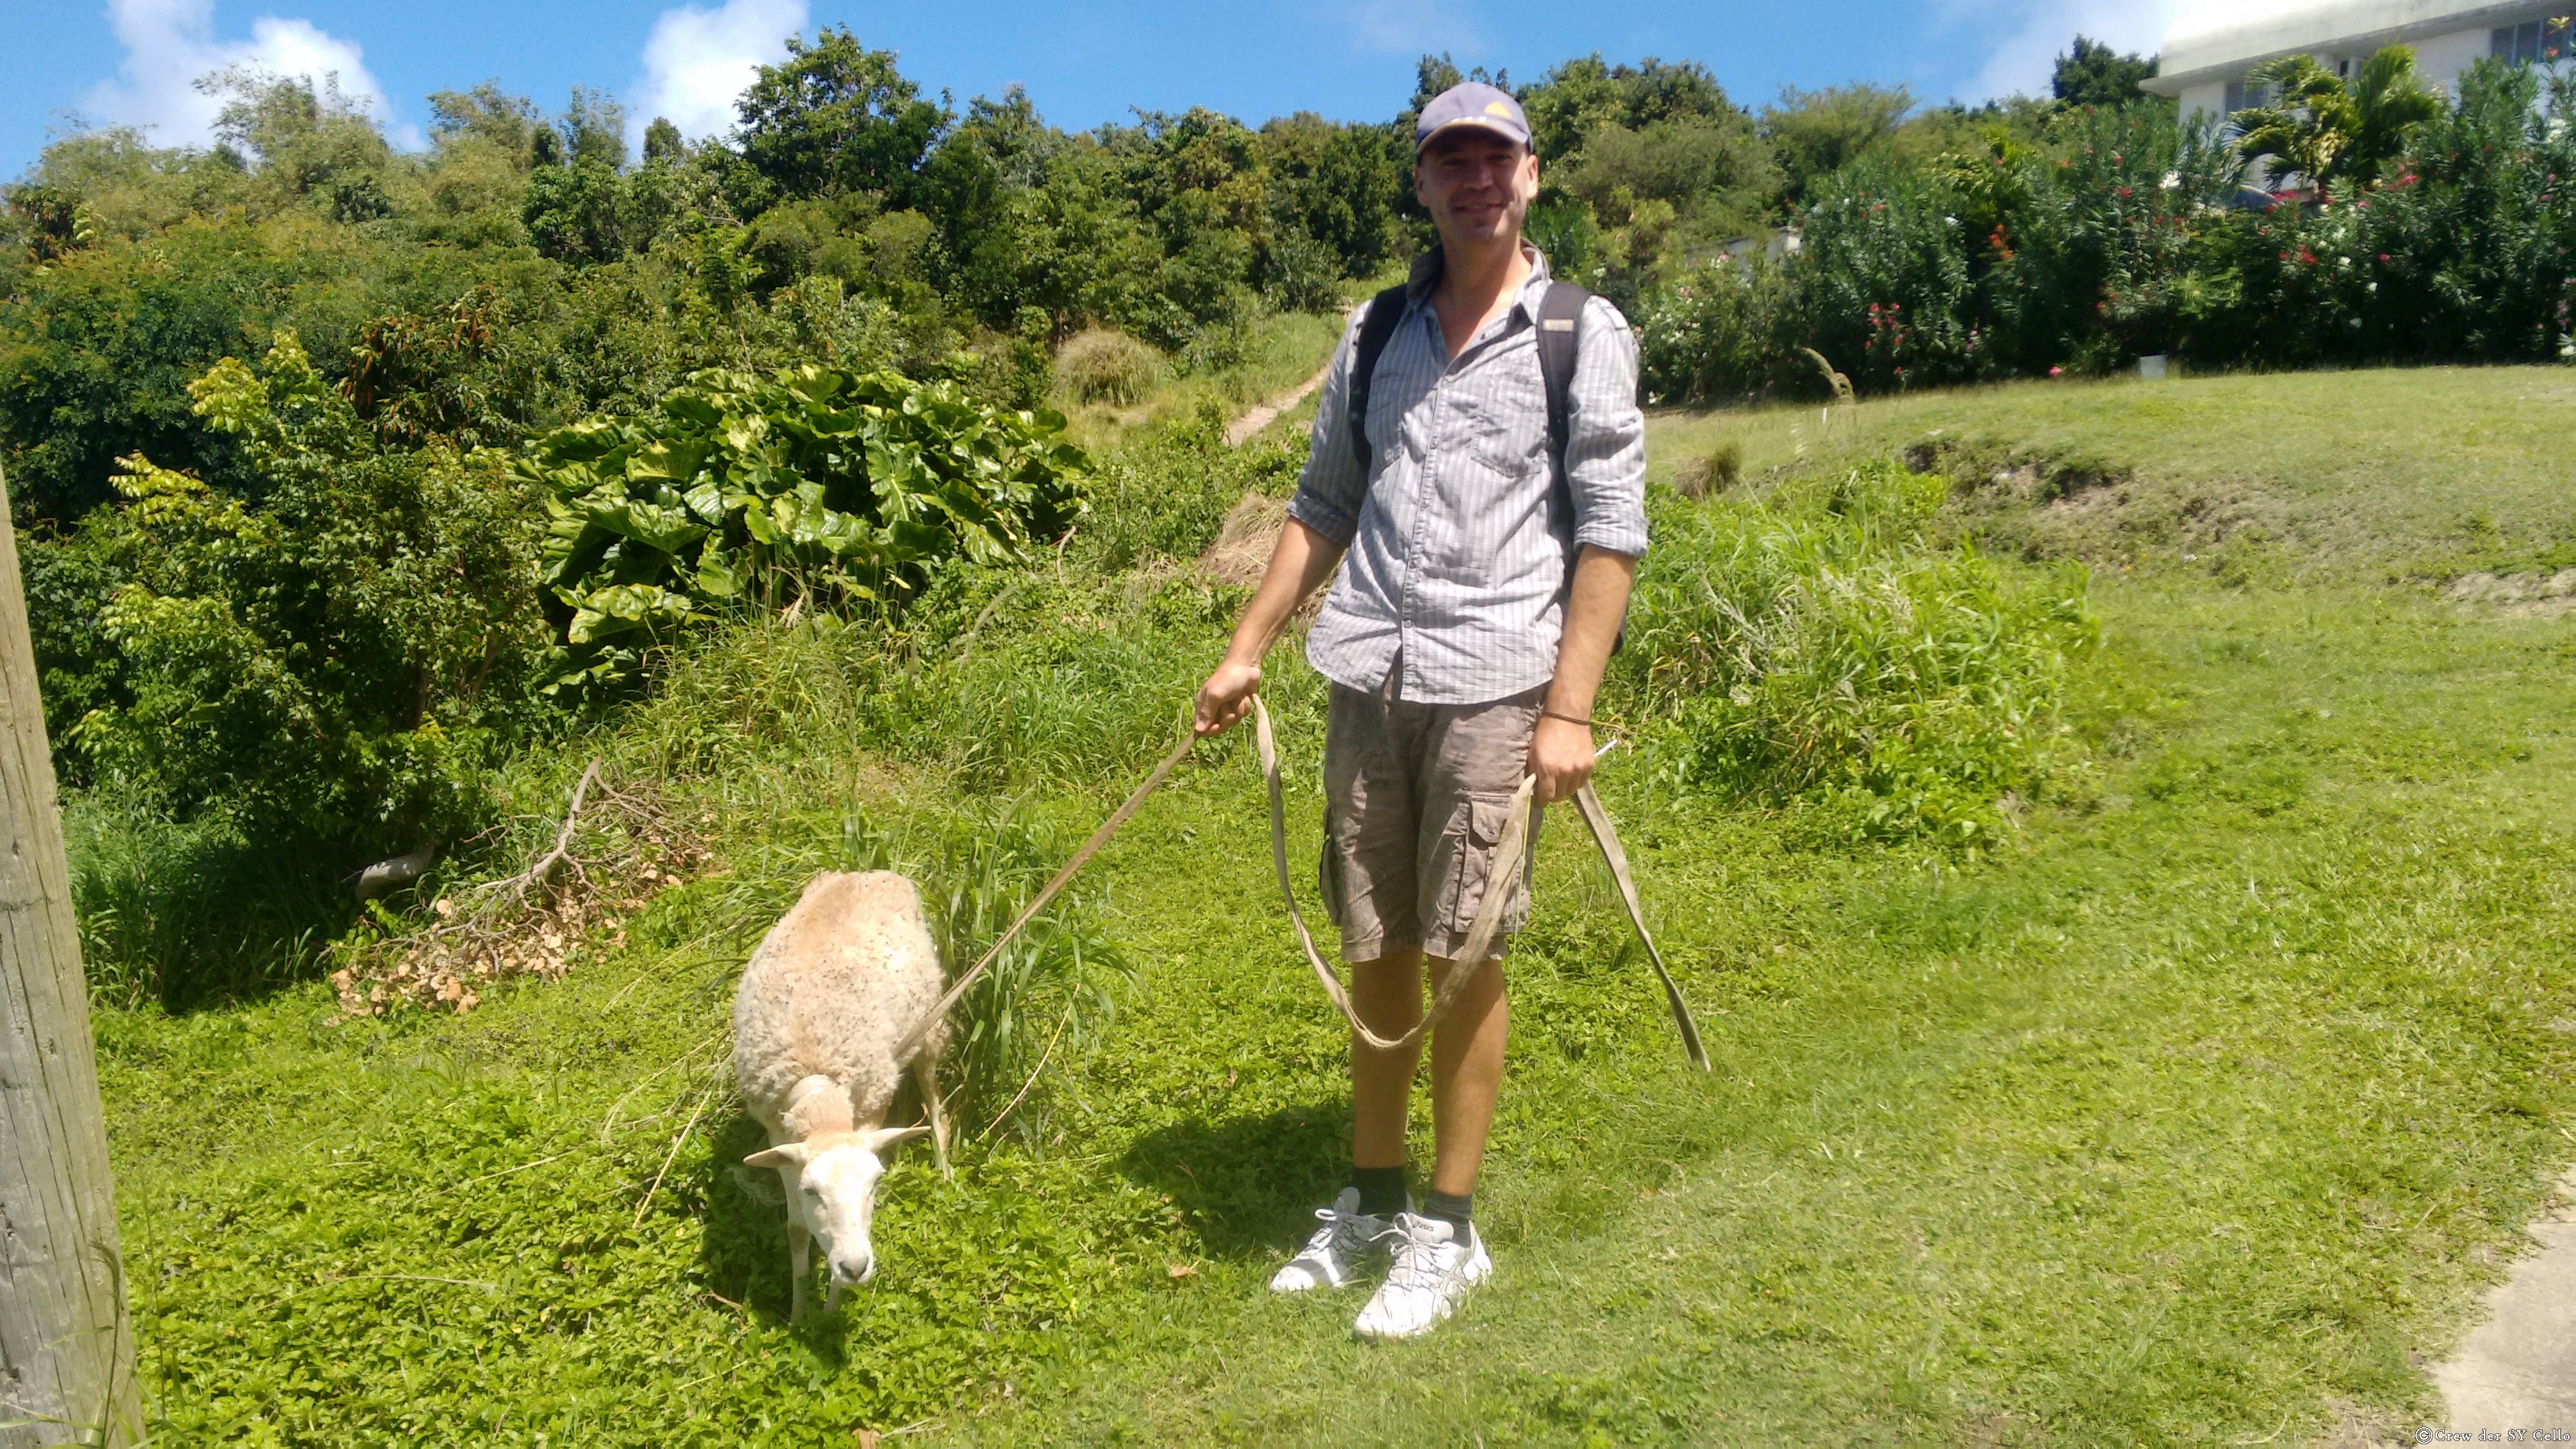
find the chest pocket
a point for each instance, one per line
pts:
(1498, 408)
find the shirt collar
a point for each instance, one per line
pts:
(1426, 277)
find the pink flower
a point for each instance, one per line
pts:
(2057, 372)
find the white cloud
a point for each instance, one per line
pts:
(696, 62)
(2037, 32)
(1415, 27)
(170, 43)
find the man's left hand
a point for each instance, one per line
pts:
(1560, 756)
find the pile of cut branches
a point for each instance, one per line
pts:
(617, 846)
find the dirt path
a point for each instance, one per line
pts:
(2518, 1370)
(1243, 429)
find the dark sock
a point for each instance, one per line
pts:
(1457, 1209)
(1381, 1189)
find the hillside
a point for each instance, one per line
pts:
(2181, 1077)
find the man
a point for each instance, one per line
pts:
(1477, 601)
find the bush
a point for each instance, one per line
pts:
(1885, 284)
(333, 661)
(1815, 645)
(1103, 365)
(1716, 335)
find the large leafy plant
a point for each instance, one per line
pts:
(817, 484)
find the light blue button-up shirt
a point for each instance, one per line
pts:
(1461, 546)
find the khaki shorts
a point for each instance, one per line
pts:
(1415, 800)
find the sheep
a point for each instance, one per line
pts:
(823, 1002)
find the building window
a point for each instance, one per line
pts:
(2240, 95)
(2534, 42)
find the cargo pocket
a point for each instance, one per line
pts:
(1476, 833)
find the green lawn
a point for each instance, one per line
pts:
(2201, 1113)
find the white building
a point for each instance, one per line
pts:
(2206, 56)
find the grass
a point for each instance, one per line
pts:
(2201, 1109)
(2408, 474)
(1283, 350)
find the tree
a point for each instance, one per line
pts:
(2320, 128)
(1814, 134)
(594, 127)
(836, 116)
(66, 1344)
(486, 113)
(2094, 74)
(662, 142)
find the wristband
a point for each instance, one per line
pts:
(1569, 719)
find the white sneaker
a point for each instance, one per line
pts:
(1431, 1271)
(1335, 1253)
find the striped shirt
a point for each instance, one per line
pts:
(1460, 545)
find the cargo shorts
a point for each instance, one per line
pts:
(1416, 797)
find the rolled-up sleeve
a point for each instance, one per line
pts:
(1334, 482)
(1605, 441)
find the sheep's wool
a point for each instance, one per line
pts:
(834, 985)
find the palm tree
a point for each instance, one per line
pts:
(2319, 127)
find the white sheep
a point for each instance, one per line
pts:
(834, 986)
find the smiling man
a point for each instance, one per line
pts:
(1478, 478)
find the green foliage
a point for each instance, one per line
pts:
(835, 116)
(2320, 128)
(333, 662)
(2093, 74)
(1714, 335)
(1818, 643)
(1814, 134)
(1886, 280)
(819, 485)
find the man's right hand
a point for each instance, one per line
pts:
(1227, 697)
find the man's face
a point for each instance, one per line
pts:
(1476, 184)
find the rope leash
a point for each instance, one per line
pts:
(1082, 857)
(1508, 858)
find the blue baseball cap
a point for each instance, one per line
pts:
(1472, 104)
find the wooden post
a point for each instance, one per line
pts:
(66, 1345)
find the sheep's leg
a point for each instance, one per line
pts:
(926, 1073)
(800, 1246)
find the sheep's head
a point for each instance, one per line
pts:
(835, 1193)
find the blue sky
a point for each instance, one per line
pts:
(130, 61)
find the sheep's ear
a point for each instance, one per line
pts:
(792, 1154)
(883, 1138)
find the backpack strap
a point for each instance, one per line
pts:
(1559, 312)
(1376, 330)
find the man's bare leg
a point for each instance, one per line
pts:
(1387, 994)
(1466, 1075)
(1466, 1067)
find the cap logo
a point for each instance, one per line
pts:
(1497, 108)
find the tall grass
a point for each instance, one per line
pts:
(1819, 644)
(189, 913)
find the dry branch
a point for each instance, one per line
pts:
(540, 874)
